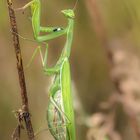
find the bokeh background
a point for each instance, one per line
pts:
(104, 61)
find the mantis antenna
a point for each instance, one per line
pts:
(75, 5)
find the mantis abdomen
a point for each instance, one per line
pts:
(56, 120)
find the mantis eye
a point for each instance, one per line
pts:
(57, 29)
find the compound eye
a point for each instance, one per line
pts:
(57, 29)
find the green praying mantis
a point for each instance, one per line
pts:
(60, 114)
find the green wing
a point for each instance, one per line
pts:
(65, 81)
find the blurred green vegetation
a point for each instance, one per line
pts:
(89, 64)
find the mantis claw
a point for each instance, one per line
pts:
(19, 9)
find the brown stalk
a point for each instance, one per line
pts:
(23, 114)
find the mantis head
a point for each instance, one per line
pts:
(68, 13)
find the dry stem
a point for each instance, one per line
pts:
(24, 112)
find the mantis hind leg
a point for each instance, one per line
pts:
(58, 121)
(56, 99)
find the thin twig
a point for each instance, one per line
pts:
(25, 115)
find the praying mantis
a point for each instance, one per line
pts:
(60, 114)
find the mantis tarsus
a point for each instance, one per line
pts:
(60, 114)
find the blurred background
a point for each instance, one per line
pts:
(105, 68)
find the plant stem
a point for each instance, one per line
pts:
(24, 98)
